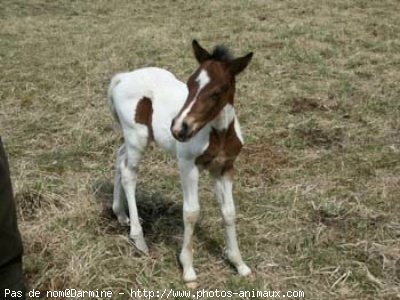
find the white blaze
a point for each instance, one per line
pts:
(203, 79)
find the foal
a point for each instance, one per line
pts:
(196, 123)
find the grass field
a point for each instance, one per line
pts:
(318, 183)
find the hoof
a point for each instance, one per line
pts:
(189, 276)
(140, 244)
(124, 221)
(191, 285)
(244, 270)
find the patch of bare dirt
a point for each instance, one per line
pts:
(262, 161)
(321, 137)
(303, 105)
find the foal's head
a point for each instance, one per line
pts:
(211, 87)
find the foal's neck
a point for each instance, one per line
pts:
(224, 118)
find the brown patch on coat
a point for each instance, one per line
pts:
(144, 114)
(224, 146)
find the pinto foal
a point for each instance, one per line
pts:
(196, 123)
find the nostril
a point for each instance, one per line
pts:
(184, 128)
(179, 130)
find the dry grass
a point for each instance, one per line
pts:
(317, 187)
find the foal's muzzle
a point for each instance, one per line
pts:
(182, 132)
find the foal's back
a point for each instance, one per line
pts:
(148, 99)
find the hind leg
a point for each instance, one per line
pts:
(119, 198)
(136, 139)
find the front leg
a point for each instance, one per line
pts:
(223, 191)
(189, 179)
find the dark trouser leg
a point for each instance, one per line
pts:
(11, 278)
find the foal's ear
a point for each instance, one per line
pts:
(200, 53)
(239, 64)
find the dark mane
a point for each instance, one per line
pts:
(221, 53)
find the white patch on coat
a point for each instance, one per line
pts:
(225, 118)
(166, 92)
(238, 131)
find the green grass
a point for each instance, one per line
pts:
(317, 187)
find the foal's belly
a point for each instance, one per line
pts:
(162, 134)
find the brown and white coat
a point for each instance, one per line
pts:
(196, 122)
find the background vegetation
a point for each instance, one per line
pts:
(317, 187)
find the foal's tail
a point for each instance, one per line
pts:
(114, 82)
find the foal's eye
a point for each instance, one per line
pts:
(215, 96)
